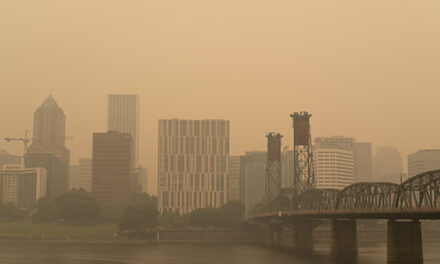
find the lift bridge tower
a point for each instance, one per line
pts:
(303, 176)
(273, 167)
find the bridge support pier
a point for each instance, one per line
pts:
(344, 239)
(274, 234)
(404, 242)
(303, 235)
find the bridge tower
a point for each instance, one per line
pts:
(273, 167)
(303, 177)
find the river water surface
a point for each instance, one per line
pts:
(189, 253)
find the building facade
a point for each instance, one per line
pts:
(387, 165)
(363, 161)
(49, 136)
(74, 177)
(253, 179)
(52, 166)
(422, 161)
(111, 168)
(85, 174)
(233, 182)
(192, 164)
(22, 187)
(123, 116)
(334, 162)
(7, 158)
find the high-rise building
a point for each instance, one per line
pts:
(233, 182)
(363, 161)
(123, 116)
(142, 178)
(6, 158)
(52, 166)
(387, 165)
(85, 174)
(22, 187)
(192, 164)
(74, 177)
(253, 179)
(422, 161)
(49, 136)
(334, 162)
(111, 167)
(287, 171)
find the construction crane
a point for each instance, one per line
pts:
(25, 140)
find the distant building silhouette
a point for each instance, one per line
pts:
(49, 137)
(7, 158)
(192, 164)
(52, 165)
(22, 187)
(73, 177)
(85, 174)
(123, 116)
(363, 159)
(253, 179)
(111, 167)
(387, 165)
(233, 183)
(423, 160)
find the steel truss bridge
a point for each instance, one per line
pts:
(290, 220)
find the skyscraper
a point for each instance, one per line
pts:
(387, 165)
(111, 167)
(233, 182)
(192, 164)
(85, 174)
(334, 162)
(49, 136)
(123, 116)
(423, 160)
(253, 179)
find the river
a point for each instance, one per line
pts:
(185, 253)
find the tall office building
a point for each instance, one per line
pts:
(49, 136)
(7, 158)
(22, 187)
(192, 164)
(111, 168)
(253, 179)
(363, 161)
(142, 178)
(387, 165)
(85, 174)
(233, 182)
(52, 166)
(423, 160)
(334, 162)
(74, 177)
(123, 116)
(287, 171)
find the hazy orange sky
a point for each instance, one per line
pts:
(365, 69)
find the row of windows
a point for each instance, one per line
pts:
(196, 182)
(199, 163)
(193, 127)
(192, 199)
(193, 145)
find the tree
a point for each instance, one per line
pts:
(231, 214)
(204, 217)
(11, 211)
(46, 210)
(139, 215)
(77, 206)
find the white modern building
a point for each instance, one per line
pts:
(85, 174)
(22, 187)
(423, 160)
(123, 116)
(234, 177)
(193, 159)
(334, 162)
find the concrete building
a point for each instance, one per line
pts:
(192, 164)
(22, 187)
(253, 179)
(74, 177)
(85, 174)
(7, 158)
(334, 162)
(233, 182)
(49, 137)
(287, 166)
(387, 165)
(142, 178)
(363, 161)
(422, 161)
(111, 168)
(52, 166)
(123, 116)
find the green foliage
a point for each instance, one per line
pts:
(140, 214)
(229, 215)
(77, 206)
